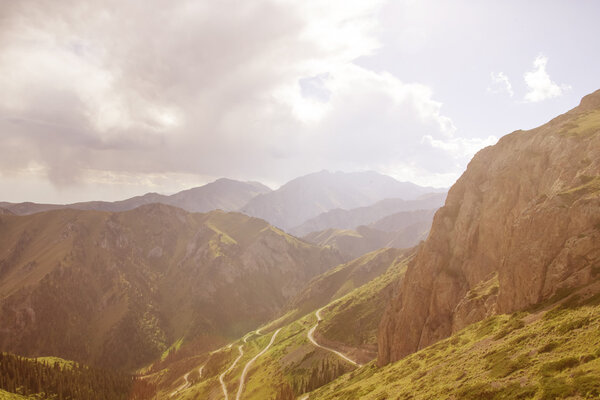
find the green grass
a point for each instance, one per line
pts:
(13, 396)
(293, 359)
(354, 319)
(502, 357)
(591, 186)
(173, 348)
(583, 126)
(485, 288)
(53, 360)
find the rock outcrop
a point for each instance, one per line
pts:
(523, 218)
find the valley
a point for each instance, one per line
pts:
(299, 200)
(496, 296)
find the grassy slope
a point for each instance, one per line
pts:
(341, 280)
(120, 289)
(351, 243)
(292, 358)
(13, 396)
(537, 354)
(289, 359)
(354, 319)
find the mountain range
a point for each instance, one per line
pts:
(309, 196)
(222, 194)
(339, 218)
(501, 300)
(118, 289)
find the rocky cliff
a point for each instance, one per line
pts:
(521, 225)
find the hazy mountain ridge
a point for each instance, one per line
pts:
(401, 230)
(118, 288)
(526, 209)
(224, 194)
(368, 215)
(308, 196)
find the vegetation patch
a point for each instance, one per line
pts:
(512, 325)
(500, 363)
(547, 358)
(485, 289)
(548, 347)
(553, 367)
(583, 126)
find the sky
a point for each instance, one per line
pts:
(108, 99)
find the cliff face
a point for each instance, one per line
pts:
(522, 223)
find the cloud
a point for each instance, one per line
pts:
(156, 90)
(500, 84)
(540, 86)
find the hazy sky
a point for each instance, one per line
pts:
(108, 99)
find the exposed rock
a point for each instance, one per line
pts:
(528, 209)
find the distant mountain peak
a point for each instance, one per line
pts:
(307, 196)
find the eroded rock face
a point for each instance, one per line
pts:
(526, 209)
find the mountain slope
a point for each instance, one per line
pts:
(350, 298)
(525, 214)
(403, 220)
(308, 196)
(339, 281)
(223, 194)
(541, 354)
(55, 378)
(354, 243)
(350, 219)
(117, 289)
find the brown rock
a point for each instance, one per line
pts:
(528, 209)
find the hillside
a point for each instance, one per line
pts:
(353, 243)
(308, 196)
(119, 289)
(543, 354)
(406, 212)
(55, 378)
(349, 300)
(339, 281)
(222, 194)
(525, 217)
(405, 220)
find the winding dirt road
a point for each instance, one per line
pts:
(232, 366)
(186, 382)
(311, 337)
(184, 385)
(249, 364)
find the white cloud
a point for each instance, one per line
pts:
(540, 86)
(264, 90)
(500, 84)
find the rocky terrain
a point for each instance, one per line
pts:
(520, 226)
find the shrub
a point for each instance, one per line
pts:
(560, 365)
